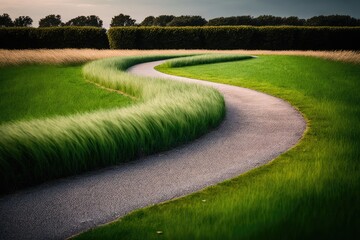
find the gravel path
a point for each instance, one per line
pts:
(257, 128)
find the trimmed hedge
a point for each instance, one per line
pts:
(53, 37)
(155, 38)
(235, 37)
(239, 37)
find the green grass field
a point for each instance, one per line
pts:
(166, 114)
(39, 91)
(310, 192)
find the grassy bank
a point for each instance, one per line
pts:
(166, 114)
(72, 56)
(310, 192)
(39, 91)
(203, 59)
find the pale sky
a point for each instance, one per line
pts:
(139, 9)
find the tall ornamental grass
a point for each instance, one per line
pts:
(167, 114)
(203, 59)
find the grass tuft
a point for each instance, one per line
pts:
(203, 59)
(166, 114)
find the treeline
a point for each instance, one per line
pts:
(51, 21)
(123, 20)
(268, 20)
(263, 20)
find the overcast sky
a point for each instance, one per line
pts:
(139, 9)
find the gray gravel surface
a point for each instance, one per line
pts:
(257, 128)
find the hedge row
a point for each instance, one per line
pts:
(239, 37)
(269, 38)
(54, 37)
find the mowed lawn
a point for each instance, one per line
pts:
(38, 91)
(310, 192)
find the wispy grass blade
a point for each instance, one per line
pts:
(167, 114)
(203, 59)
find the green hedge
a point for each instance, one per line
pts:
(236, 37)
(155, 38)
(239, 37)
(53, 37)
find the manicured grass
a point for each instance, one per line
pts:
(166, 114)
(310, 192)
(38, 91)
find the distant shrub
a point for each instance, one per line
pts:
(236, 37)
(53, 37)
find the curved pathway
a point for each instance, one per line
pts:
(257, 128)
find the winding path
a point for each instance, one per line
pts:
(257, 128)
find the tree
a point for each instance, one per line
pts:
(122, 20)
(222, 21)
(51, 21)
(78, 21)
(148, 21)
(333, 20)
(163, 20)
(244, 20)
(92, 20)
(231, 21)
(268, 20)
(5, 20)
(23, 21)
(293, 21)
(187, 21)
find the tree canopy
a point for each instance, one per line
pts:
(263, 20)
(333, 20)
(23, 21)
(51, 21)
(148, 21)
(187, 21)
(228, 21)
(163, 20)
(122, 20)
(184, 20)
(269, 20)
(91, 20)
(5, 20)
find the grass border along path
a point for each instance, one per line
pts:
(168, 114)
(310, 192)
(72, 56)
